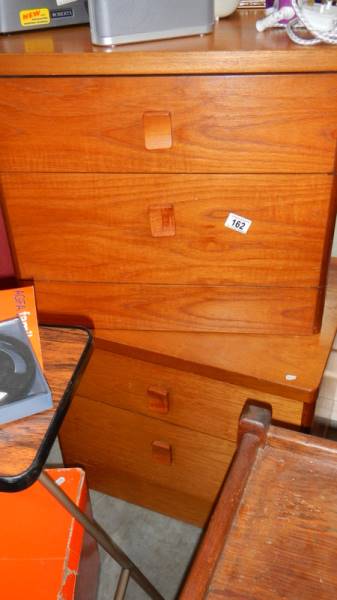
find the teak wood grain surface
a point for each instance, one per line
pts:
(115, 447)
(220, 124)
(273, 531)
(200, 403)
(234, 46)
(160, 308)
(142, 170)
(256, 361)
(24, 444)
(227, 282)
(185, 392)
(118, 168)
(107, 219)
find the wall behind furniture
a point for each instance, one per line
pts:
(6, 263)
(334, 245)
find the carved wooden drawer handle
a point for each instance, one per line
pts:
(162, 452)
(162, 220)
(159, 399)
(157, 130)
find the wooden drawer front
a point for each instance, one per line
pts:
(118, 451)
(255, 123)
(115, 229)
(241, 309)
(182, 398)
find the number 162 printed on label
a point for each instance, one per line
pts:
(237, 223)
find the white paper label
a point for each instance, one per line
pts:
(63, 2)
(60, 480)
(237, 223)
(290, 377)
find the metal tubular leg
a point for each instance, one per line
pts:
(122, 585)
(101, 537)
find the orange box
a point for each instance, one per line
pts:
(20, 302)
(44, 554)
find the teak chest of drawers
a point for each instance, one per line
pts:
(118, 170)
(117, 186)
(155, 417)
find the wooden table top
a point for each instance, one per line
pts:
(233, 47)
(273, 533)
(260, 362)
(25, 444)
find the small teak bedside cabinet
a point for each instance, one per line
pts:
(155, 417)
(120, 171)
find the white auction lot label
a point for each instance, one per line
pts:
(238, 223)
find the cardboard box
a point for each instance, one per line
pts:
(20, 15)
(44, 553)
(20, 302)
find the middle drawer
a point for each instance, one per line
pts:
(170, 229)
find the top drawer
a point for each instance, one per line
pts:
(215, 124)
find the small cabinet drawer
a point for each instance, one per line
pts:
(116, 448)
(153, 253)
(230, 308)
(170, 229)
(185, 399)
(243, 124)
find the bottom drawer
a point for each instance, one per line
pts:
(161, 466)
(151, 307)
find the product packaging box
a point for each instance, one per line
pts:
(24, 390)
(22, 15)
(20, 302)
(44, 552)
